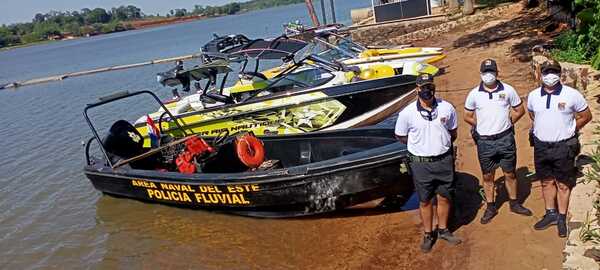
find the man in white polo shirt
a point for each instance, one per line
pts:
(428, 127)
(492, 108)
(558, 113)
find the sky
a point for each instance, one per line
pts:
(13, 11)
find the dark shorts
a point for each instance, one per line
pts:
(556, 160)
(436, 177)
(501, 152)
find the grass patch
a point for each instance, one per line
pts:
(570, 48)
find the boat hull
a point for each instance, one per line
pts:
(353, 105)
(309, 189)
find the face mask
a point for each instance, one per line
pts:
(427, 91)
(488, 78)
(550, 79)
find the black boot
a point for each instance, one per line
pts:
(490, 212)
(428, 241)
(445, 234)
(561, 224)
(549, 219)
(516, 207)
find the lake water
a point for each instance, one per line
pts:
(52, 217)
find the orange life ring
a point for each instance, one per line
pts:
(250, 150)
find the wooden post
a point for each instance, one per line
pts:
(311, 12)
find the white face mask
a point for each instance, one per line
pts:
(550, 79)
(488, 78)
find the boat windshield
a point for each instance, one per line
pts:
(334, 53)
(310, 78)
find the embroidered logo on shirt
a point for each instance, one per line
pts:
(562, 105)
(502, 96)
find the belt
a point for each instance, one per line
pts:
(497, 136)
(551, 144)
(414, 158)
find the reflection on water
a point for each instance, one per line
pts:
(153, 235)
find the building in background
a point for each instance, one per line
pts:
(390, 10)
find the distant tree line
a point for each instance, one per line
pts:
(233, 8)
(57, 24)
(75, 23)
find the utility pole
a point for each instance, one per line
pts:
(332, 11)
(311, 12)
(323, 12)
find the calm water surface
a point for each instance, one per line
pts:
(51, 216)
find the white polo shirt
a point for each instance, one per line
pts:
(427, 137)
(555, 112)
(492, 108)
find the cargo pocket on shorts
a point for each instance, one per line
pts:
(574, 147)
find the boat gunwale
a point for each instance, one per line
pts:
(283, 175)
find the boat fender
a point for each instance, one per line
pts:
(250, 150)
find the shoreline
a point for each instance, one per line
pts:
(139, 25)
(136, 25)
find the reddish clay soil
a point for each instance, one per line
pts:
(392, 241)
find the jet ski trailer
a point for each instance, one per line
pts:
(319, 172)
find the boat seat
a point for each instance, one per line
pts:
(123, 141)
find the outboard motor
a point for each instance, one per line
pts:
(123, 142)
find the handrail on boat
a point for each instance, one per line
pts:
(114, 97)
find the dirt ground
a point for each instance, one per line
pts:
(509, 241)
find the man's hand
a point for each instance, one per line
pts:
(517, 113)
(402, 139)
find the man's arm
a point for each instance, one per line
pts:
(402, 139)
(531, 115)
(517, 113)
(453, 134)
(582, 118)
(470, 117)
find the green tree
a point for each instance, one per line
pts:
(180, 12)
(73, 28)
(45, 29)
(30, 38)
(5, 34)
(98, 15)
(38, 18)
